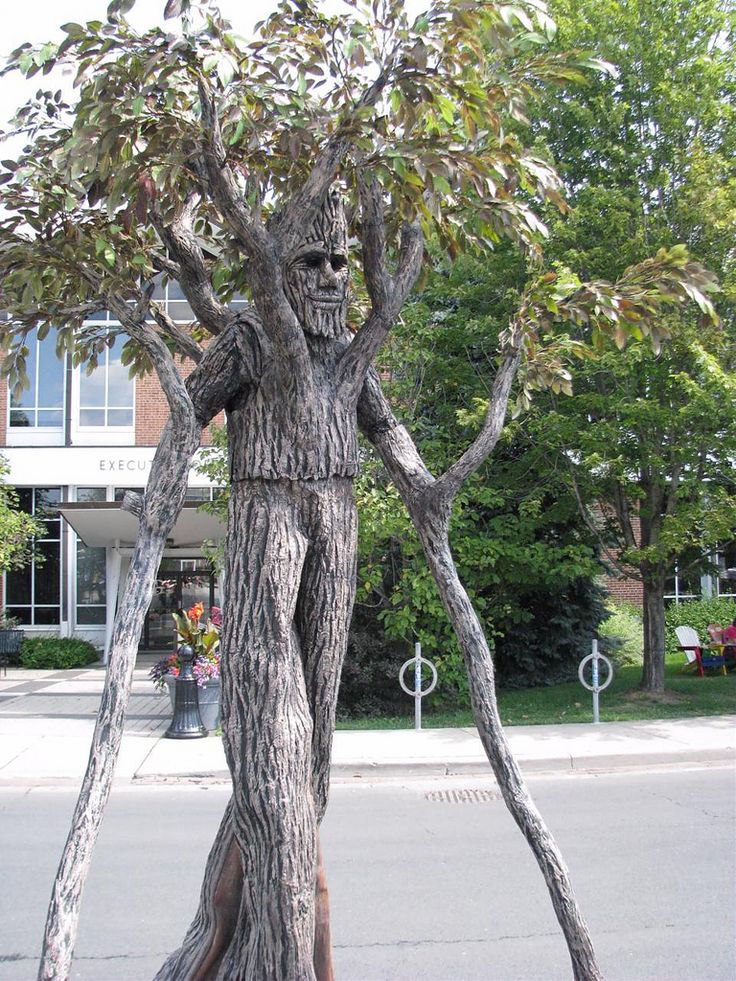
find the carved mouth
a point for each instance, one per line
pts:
(326, 299)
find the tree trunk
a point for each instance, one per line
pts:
(162, 504)
(290, 583)
(652, 678)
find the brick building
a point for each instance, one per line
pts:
(681, 585)
(75, 443)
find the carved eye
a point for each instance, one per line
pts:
(338, 262)
(313, 261)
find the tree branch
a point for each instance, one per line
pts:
(451, 481)
(133, 319)
(184, 341)
(302, 209)
(224, 187)
(274, 310)
(611, 557)
(377, 278)
(623, 515)
(388, 293)
(194, 277)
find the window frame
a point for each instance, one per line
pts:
(37, 435)
(105, 435)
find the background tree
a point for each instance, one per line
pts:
(647, 158)
(189, 155)
(17, 529)
(522, 552)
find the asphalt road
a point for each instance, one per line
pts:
(425, 888)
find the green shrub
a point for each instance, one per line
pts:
(57, 653)
(624, 631)
(697, 614)
(370, 676)
(548, 648)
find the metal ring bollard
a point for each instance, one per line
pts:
(596, 686)
(418, 694)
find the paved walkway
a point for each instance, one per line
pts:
(47, 717)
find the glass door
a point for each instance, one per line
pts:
(176, 589)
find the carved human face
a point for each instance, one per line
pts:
(316, 274)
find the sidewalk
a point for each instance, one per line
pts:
(47, 718)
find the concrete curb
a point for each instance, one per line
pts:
(448, 768)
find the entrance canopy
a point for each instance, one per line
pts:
(104, 523)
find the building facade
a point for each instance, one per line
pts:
(75, 443)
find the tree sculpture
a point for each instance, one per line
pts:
(217, 165)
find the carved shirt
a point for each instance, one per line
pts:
(281, 425)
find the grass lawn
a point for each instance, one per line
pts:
(686, 695)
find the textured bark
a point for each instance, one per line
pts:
(290, 384)
(653, 668)
(429, 507)
(416, 485)
(160, 508)
(162, 503)
(479, 664)
(323, 969)
(290, 575)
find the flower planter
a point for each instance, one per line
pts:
(209, 701)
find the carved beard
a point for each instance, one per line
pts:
(316, 274)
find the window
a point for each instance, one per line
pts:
(175, 303)
(33, 594)
(91, 571)
(120, 492)
(726, 559)
(683, 586)
(40, 406)
(106, 396)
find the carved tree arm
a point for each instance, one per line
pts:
(277, 317)
(302, 209)
(391, 439)
(388, 294)
(218, 376)
(377, 278)
(193, 277)
(416, 487)
(451, 481)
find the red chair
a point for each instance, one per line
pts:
(689, 642)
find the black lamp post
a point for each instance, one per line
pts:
(186, 723)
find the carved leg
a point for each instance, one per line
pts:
(267, 730)
(323, 617)
(216, 945)
(323, 614)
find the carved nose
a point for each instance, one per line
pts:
(327, 274)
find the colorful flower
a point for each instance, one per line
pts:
(202, 637)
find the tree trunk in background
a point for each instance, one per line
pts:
(652, 679)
